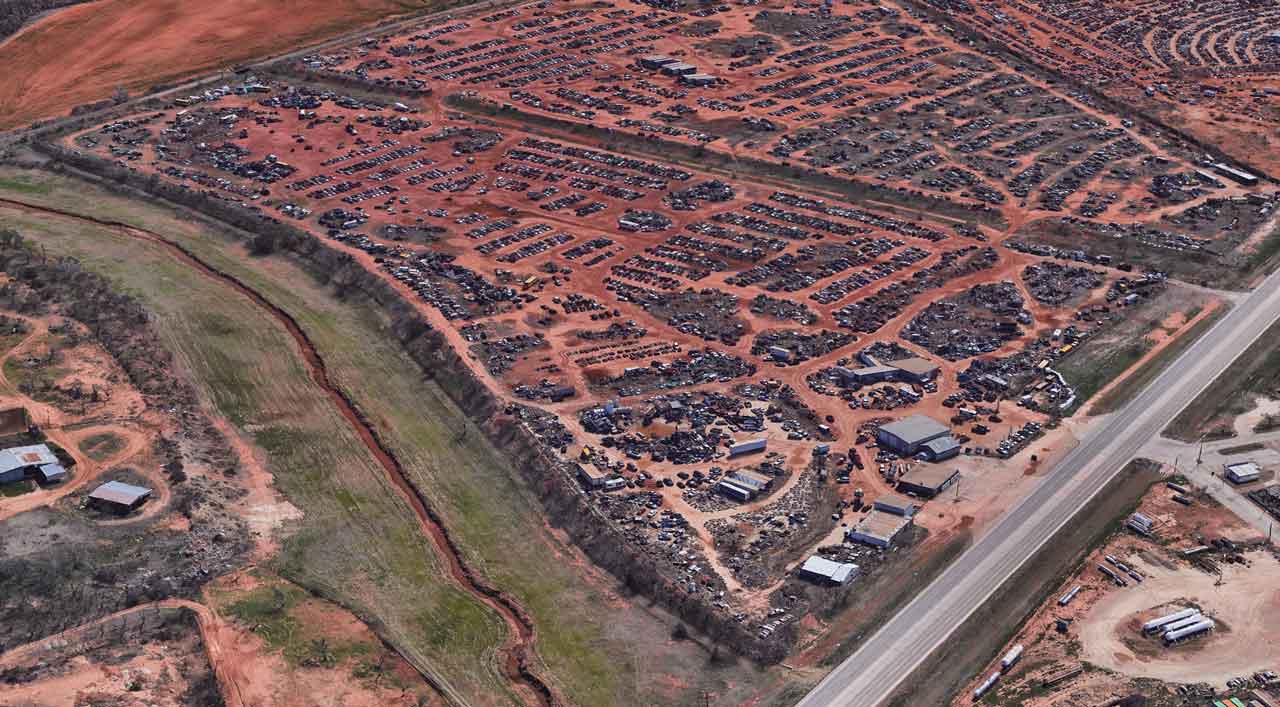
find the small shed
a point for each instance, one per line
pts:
(941, 448)
(878, 528)
(592, 477)
(698, 79)
(18, 463)
(820, 569)
(896, 504)
(916, 370)
(873, 374)
(735, 491)
(656, 61)
(119, 497)
(751, 480)
(51, 473)
(1242, 472)
(927, 480)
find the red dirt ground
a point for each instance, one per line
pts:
(81, 54)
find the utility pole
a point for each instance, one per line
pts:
(1200, 453)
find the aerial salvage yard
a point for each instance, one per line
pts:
(771, 383)
(1172, 609)
(1209, 69)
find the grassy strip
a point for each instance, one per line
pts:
(1267, 255)
(1256, 371)
(101, 446)
(1135, 381)
(1242, 449)
(1090, 371)
(698, 157)
(983, 634)
(17, 488)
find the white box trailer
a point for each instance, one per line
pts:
(1158, 623)
(1183, 623)
(986, 685)
(1193, 630)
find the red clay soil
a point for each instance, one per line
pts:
(211, 631)
(518, 648)
(81, 54)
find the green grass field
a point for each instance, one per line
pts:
(358, 542)
(1255, 373)
(1090, 371)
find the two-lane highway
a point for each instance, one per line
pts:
(886, 659)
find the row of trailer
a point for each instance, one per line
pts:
(1008, 661)
(1180, 625)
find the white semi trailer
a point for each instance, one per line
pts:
(1156, 624)
(1202, 626)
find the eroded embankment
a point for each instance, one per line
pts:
(519, 645)
(132, 622)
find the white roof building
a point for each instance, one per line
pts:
(821, 568)
(1242, 472)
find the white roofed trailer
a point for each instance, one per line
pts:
(1158, 623)
(986, 685)
(1184, 623)
(1193, 630)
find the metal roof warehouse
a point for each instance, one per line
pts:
(908, 435)
(822, 569)
(16, 463)
(117, 495)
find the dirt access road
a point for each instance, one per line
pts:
(521, 636)
(54, 422)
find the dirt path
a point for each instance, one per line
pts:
(521, 636)
(214, 632)
(53, 421)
